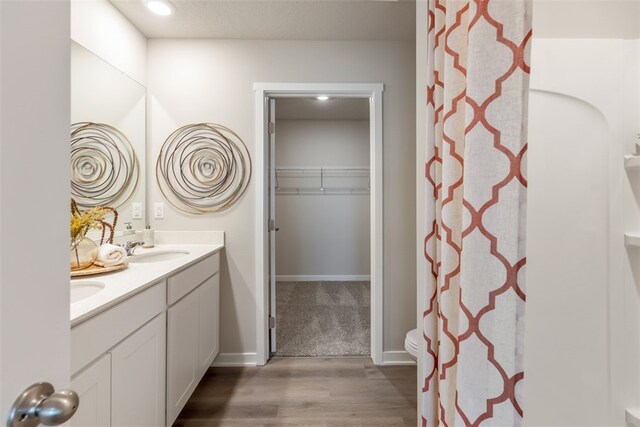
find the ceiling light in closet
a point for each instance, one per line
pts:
(322, 98)
(160, 7)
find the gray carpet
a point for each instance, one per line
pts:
(323, 318)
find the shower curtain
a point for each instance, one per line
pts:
(474, 245)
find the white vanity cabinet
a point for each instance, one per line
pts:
(138, 377)
(137, 362)
(208, 323)
(192, 330)
(93, 386)
(124, 348)
(182, 354)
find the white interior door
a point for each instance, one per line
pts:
(272, 224)
(34, 196)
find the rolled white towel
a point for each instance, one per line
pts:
(110, 255)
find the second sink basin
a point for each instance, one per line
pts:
(82, 290)
(157, 256)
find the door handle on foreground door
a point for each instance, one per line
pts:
(41, 404)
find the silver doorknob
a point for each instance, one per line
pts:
(41, 404)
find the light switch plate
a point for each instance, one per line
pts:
(137, 210)
(158, 210)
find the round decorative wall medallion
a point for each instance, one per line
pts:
(202, 168)
(104, 165)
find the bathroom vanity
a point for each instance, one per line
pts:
(142, 338)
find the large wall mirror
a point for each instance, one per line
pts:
(107, 136)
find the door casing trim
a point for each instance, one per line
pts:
(372, 91)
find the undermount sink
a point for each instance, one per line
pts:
(82, 290)
(157, 256)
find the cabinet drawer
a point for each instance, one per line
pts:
(187, 280)
(97, 335)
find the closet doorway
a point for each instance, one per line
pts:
(319, 231)
(321, 297)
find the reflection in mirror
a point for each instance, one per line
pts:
(108, 116)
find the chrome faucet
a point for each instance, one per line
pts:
(130, 247)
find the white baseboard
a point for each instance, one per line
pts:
(322, 278)
(390, 358)
(235, 359)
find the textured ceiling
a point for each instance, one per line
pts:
(277, 19)
(312, 109)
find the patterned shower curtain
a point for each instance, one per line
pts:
(474, 246)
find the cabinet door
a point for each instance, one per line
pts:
(138, 377)
(93, 385)
(182, 354)
(209, 319)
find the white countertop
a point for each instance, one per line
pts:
(135, 278)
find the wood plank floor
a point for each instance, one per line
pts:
(304, 392)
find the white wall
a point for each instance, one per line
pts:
(421, 159)
(591, 19)
(101, 28)
(322, 235)
(212, 80)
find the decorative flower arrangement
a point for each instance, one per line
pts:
(83, 249)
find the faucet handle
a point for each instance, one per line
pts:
(129, 247)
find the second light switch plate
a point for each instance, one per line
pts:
(137, 210)
(158, 210)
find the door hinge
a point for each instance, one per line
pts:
(272, 322)
(272, 128)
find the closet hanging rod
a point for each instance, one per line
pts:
(322, 172)
(326, 168)
(295, 191)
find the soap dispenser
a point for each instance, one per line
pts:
(148, 237)
(128, 230)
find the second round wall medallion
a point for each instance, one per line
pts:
(202, 168)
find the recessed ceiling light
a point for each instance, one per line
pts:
(322, 98)
(160, 7)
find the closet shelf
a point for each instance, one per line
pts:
(322, 181)
(316, 172)
(632, 239)
(631, 161)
